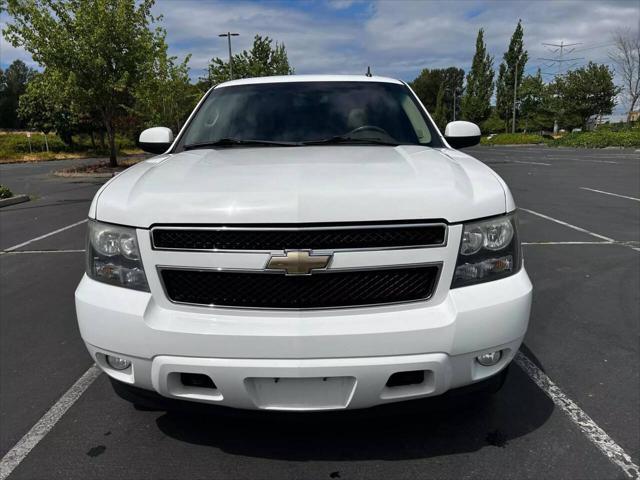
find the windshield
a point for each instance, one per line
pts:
(296, 113)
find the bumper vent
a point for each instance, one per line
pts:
(313, 238)
(321, 290)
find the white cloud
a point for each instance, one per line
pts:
(396, 37)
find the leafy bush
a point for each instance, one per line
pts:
(5, 192)
(512, 139)
(600, 138)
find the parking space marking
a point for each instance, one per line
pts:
(585, 423)
(22, 252)
(529, 163)
(570, 243)
(582, 160)
(609, 193)
(20, 245)
(574, 227)
(18, 453)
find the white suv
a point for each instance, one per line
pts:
(305, 243)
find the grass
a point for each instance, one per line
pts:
(14, 147)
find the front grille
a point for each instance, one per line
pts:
(316, 238)
(320, 290)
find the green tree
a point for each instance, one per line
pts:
(532, 103)
(476, 103)
(427, 87)
(13, 83)
(509, 76)
(47, 105)
(587, 91)
(440, 113)
(263, 60)
(493, 124)
(166, 97)
(104, 48)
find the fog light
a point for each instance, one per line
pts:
(118, 363)
(489, 359)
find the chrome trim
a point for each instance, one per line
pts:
(160, 268)
(316, 251)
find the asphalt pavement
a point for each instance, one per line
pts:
(580, 224)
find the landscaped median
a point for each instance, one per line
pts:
(8, 198)
(101, 169)
(600, 138)
(18, 147)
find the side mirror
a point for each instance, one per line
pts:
(462, 134)
(156, 139)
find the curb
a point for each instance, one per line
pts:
(516, 145)
(5, 202)
(62, 174)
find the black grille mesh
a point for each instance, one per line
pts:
(320, 290)
(370, 237)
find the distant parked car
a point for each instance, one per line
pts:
(305, 243)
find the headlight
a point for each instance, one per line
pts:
(489, 250)
(113, 256)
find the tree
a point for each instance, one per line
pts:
(103, 48)
(626, 57)
(13, 83)
(493, 124)
(439, 114)
(263, 60)
(587, 91)
(427, 87)
(166, 97)
(532, 102)
(47, 105)
(510, 77)
(476, 103)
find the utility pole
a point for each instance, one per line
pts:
(229, 35)
(515, 95)
(558, 48)
(455, 90)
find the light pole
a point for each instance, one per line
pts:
(229, 35)
(515, 90)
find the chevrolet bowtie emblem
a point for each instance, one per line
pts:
(298, 262)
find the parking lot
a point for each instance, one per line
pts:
(570, 407)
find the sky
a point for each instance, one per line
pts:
(397, 38)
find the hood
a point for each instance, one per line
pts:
(302, 185)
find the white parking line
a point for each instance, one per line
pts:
(570, 243)
(22, 252)
(609, 193)
(20, 245)
(587, 426)
(579, 229)
(530, 163)
(21, 449)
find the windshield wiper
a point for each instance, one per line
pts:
(232, 142)
(340, 139)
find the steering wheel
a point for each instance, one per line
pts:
(364, 128)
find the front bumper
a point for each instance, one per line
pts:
(316, 360)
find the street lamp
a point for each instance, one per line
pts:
(229, 35)
(515, 93)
